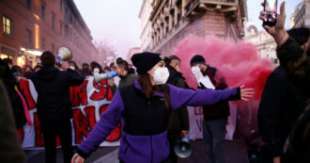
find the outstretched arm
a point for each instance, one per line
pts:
(186, 97)
(107, 75)
(108, 121)
(74, 77)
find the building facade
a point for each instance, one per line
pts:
(106, 53)
(144, 16)
(173, 20)
(264, 42)
(29, 27)
(301, 16)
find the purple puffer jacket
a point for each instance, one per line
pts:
(154, 148)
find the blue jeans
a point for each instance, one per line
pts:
(214, 135)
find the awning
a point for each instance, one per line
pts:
(31, 52)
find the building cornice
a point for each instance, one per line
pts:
(78, 15)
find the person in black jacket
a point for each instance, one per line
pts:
(297, 148)
(127, 76)
(215, 116)
(11, 85)
(278, 111)
(10, 147)
(286, 91)
(178, 122)
(86, 70)
(53, 105)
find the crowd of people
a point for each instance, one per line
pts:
(151, 98)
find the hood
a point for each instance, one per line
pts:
(47, 73)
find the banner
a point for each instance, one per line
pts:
(89, 100)
(195, 115)
(196, 122)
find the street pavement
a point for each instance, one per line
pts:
(235, 153)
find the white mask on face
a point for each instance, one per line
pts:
(96, 71)
(161, 75)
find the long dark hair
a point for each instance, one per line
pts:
(149, 89)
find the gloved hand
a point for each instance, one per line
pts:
(101, 76)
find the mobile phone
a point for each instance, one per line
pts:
(270, 8)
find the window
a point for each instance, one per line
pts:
(71, 19)
(29, 41)
(53, 21)
(7, 25)
(66, 30)
(53, 47)
(29, 4)
(61, 28)
(43, 10)
(61, 4)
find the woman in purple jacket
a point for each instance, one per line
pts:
(144, 107)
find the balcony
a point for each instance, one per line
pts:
(193, 7)
(157, 6)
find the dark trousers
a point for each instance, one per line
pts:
(51, 129)
(214, 135)
(173, 158)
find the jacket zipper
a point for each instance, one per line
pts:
(126, 149)
(151, 150)
(148, 107)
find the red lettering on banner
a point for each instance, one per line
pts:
(78, 94)
(74, 95)
(103, 108)
(91, 115)
(20, 134)
(81, 126)
(82, 123)
(25, 90)
(116, 132)
(58, 142)
(38, 132)
(102, 91)
(109, 94)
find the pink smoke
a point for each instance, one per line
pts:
(238, 62)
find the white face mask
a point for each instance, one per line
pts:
(96, 71)
(161, 75)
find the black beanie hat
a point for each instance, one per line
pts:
(145, 61)
(197, 59)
